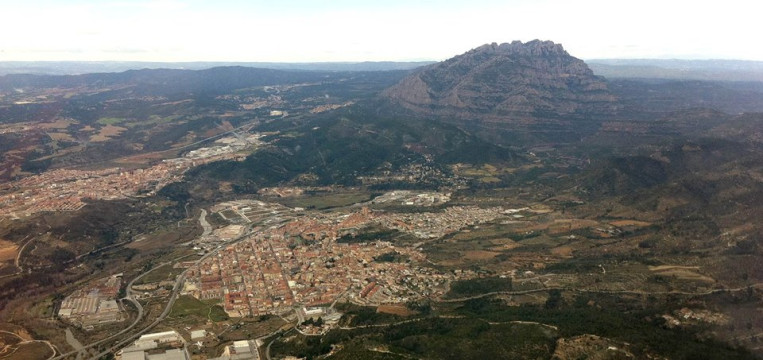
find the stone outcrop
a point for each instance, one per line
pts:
(507, 82)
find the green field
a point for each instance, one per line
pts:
(164, 273)
(110, 120)
(188, 306)
(324, 201)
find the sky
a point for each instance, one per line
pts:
(358, 30)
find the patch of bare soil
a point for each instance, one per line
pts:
(399, 310)
(590, 347)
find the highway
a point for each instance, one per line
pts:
(177, 287)
(129, 297)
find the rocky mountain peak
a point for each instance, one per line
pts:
(506, 82)
(530, 48)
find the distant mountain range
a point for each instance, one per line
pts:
(674, 69)
(88, 67)
(713, 70)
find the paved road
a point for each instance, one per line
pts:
(18, 256)
(17, 262)
(46, 342)
(629, 292)
(131, 298)
(177, 287)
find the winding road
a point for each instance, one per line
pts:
(628, 292)
(46, 342)
(129, 297)
(17, 262)
(177, 287)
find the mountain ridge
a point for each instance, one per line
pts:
(505, 83)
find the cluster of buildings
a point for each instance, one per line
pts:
(170, 345)
(281, 191)
(430, 225)
(66, 190)
(246, 277)
(252, 211)
(226, 146)
(250, 102)
(411, 198)
(240, 350)
(299, 263)
(416, 173)
(328, 107)
(94, 305)
(268, 274)
(167, 345)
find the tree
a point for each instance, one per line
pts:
(554, 299)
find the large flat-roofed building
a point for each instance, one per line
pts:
(198, 334)
(240, 350)
(161, 337)
(172, 354)
(139, 349)
(94, 305)
(242, 347)
(134, 355)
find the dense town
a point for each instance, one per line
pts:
(274, 260)
(310, 259)
(68, 189)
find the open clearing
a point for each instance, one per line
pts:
(324, 201)
(562, 226)
(106, 133)
(395, 310)
(19, 346)
(30, 350)
(565, 251)
(61, 136)
(623, 223)
(8, 250)
(110, 121)
(8, 343)
(58, 124)
(681, 272)
(480, 254)
(146, 158)
(186, 306)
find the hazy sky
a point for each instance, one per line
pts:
(358, 30)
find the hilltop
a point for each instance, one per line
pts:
(507, 82)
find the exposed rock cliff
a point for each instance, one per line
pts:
(507, 82)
